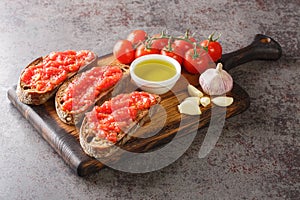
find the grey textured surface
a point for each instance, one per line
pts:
(257, 156)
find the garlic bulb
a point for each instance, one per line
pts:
(216, 81)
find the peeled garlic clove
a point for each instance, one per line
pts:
(189, 108)
(216, 81)
(194, 92)
(205, 101)
(222, 101)
(194, 99)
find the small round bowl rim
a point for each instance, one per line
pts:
(165, 83)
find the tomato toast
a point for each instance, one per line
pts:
(111, 124)
(77, 95)
(40, 80)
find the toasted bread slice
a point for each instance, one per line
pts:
(29, 95)
(102, 147)
(75, 116)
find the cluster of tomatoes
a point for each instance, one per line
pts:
(193, 56)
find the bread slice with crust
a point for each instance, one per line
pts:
(33, 96)
(102, 147)
(75, 116)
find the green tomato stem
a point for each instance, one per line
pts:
(148, 42)
(187, 34)
(211, 37)
(195, 54)
(170, 44)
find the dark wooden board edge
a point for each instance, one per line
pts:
(64, 144)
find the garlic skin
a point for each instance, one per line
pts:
(216, 81)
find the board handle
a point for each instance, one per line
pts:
(262, 48)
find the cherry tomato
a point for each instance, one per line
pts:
(213, 47)
(198, 64)
(137, 36)
(174, 52)
(159, 43)
(124, 52)
(142, 50)
(184, 45)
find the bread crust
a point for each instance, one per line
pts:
(101, 148)
(34, 97)
(76, 116)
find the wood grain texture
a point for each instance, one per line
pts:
(65, 138)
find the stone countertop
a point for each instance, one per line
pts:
(257, 155)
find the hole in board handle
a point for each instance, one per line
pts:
(265, 40)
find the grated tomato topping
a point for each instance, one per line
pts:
(82, 91)
(54, 69)
(117, 114)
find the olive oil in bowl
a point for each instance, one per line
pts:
(155, 70)
(155, 73)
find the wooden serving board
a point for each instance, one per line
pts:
(65, 139)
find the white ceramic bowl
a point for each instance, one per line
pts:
(156, 87)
